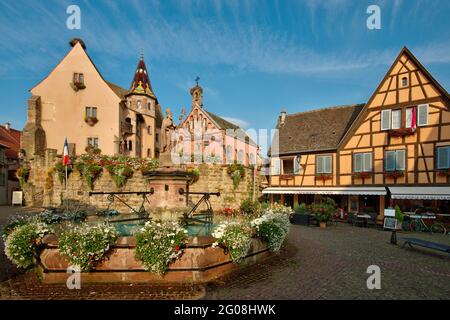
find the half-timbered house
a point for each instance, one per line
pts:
(394, 149)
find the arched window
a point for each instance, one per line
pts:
(240, 157)
(229, 154)
(252, 159)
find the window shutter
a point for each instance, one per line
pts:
(357, 162)
(296, 165)
(422, 115)
(443, 158)
(327, 164)
(275, 166)
(367, 162)
(385, 119)
(409, 112)
(400, 164)
(319, 164)
(390, 161)
(396, 119)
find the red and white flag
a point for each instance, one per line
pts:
(66, 160)
(414, 119)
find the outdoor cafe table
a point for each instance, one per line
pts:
(364, 217)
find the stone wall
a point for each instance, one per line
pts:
(44, 188)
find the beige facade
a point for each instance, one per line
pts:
(77, 103)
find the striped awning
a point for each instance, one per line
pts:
(420, 193)
(327, 190)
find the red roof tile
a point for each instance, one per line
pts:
(11, 139)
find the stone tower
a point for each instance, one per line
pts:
(197, 96)
(33, 140)
(142, 111)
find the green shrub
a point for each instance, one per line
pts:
(23, 174)
(120, 173)
(300, 208)
(249, 207)
(90, 171)
(86, 245)
(61, 171)
(237, 172)
(159, 243)
(399, 214)
(324, 209)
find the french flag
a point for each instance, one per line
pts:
(66, 160)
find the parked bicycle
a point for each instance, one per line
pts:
(426, 222)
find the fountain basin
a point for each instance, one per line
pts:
(199, 263)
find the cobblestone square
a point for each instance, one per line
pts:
(313, 264)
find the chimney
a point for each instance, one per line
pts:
(7, 126)
(283, 117)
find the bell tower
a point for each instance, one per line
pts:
(197, 95)
(139, 137)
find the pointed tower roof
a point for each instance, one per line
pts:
(141, 81)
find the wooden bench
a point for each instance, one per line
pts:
(426, 244)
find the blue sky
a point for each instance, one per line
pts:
(253, 57)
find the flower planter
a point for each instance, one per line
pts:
(443, 173)
(91, 121)
(402, 132)
(322, 224)
(301, 219)
(199, 263)
(395, 174)
(362, 175)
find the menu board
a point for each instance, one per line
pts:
(17, 197)
(390, 223)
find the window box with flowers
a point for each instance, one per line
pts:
(395, 174)
(362, 174)
(287, 176)
(91, 121)
(443, 172)
(324, 176)
(401, 132)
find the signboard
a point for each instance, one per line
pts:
(391, 223)
(17, 197)
(389, 212)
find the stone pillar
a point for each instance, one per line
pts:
(32, 139)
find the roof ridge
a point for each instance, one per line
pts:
(326, 108)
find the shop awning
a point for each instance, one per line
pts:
(422, 193)
(376, 191)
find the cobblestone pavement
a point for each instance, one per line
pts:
(313, 264)
(332, 264)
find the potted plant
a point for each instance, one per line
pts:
(301, 215)
(323, 211)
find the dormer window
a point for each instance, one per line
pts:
(404, 81)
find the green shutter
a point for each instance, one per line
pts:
(443, 158)
(400, 161)
(357, 162)
(390, 161)
(367, 162)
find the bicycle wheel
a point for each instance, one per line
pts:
(438, 228)
(413, 225)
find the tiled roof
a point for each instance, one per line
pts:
(226, 125)
(315, 130)
(141, 81)
(11, 140)
(119, 91)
